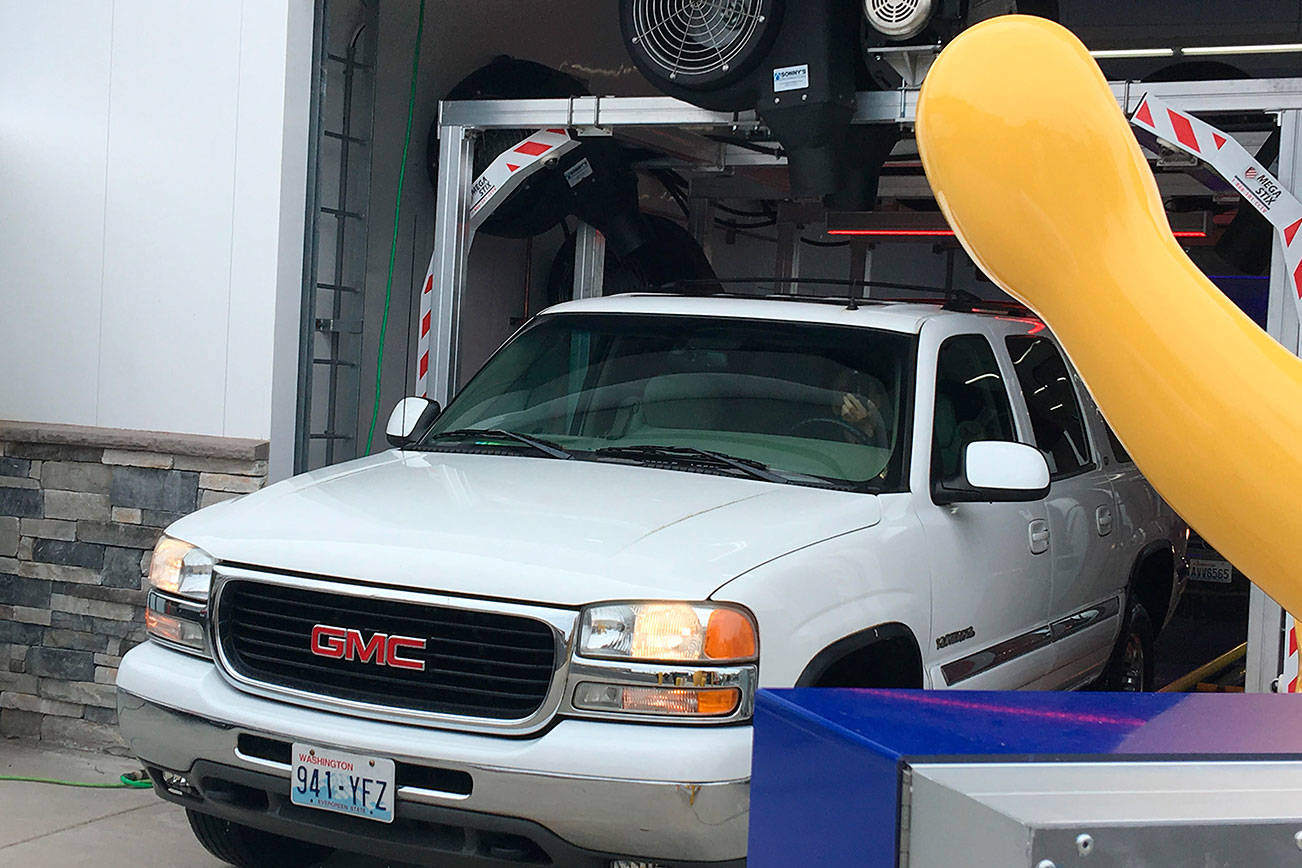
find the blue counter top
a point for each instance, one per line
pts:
(825, 780)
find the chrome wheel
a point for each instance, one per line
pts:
(1132, 665)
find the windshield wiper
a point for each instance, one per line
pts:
(692, 455)
(546, 447)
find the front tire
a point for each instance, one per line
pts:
(1130, 670)
(246, 847)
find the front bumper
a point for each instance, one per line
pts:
(583, 792)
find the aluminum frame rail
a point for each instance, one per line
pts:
(892, 106)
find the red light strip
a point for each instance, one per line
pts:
(1184, 233)
(1065, 716)
(890, 232)
(1035, 325)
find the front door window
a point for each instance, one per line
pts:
(971, 403)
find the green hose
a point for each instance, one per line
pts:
(397, 210)
(130, 780)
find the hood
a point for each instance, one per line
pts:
(523, 528)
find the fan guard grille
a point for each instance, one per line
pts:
(898, 18)
(686, 39)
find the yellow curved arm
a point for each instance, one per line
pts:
(1038, 172)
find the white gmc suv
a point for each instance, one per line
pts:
(532, 633)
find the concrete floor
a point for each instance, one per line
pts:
(66, 826)
(44, 826)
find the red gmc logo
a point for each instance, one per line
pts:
(345, 643)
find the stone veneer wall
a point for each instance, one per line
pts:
(80, 511)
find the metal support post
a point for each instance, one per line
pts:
(788, 262)
(452, 240)
(792, 219)
(1265, 617)
(1281, 315)
(861, 264)
(700, 220)
(589, 262)
(1265, 635)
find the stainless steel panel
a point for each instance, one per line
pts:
(1130, 814)
(1212, 845)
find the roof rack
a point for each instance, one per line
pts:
(948, 299)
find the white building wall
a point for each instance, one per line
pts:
(152, 190)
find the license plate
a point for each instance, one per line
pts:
(1211, 571)
(349, 783)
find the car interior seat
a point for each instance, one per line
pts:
(961, 417)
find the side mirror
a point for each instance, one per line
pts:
(995, 471)
(410, 420)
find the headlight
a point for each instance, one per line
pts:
(179, 577)
(668, 632)
(665, 660)
(180, 568)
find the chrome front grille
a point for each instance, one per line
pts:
(478, 662)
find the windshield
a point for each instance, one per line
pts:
(814, 404)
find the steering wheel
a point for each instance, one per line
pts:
(877, 438)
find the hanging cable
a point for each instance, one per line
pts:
(397, 211)
(129, 780)
(666, 179)
(742, 212)
(733, 224)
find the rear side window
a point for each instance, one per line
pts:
(971, 403)
(1056, 417)
(1118, 451)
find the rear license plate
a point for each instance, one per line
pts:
(1211, 571)
(349, 783)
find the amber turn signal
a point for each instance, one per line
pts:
(717, 701)
(729, 635)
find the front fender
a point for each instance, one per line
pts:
(807, 600)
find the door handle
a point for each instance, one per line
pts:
(1039, 536)
(1103, 518)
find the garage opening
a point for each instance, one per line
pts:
(719, 197)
